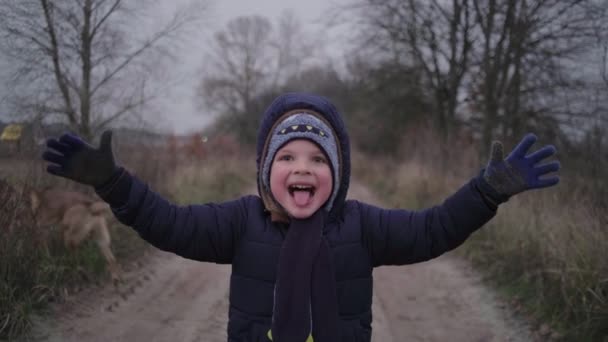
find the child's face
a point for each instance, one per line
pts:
(300, 178)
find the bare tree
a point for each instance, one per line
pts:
(601, 33)
(432, 35)
(525, 46)
(604, 63)
(293, 48)
(241, 64)
(79, 60)
(249, 60)
(515, 61)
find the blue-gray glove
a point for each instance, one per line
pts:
(518, 172)
(74, 159)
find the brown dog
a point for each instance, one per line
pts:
(79, 216)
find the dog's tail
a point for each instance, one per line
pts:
(101, 208)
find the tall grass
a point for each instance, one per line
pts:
(546, 248)
(214, 180)
(32, 276)
(551, 253)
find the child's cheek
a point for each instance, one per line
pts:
(326, 191)
(277, 183)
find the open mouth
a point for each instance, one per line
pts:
(298, 187)
(301, 193)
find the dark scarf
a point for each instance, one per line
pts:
(305, 291)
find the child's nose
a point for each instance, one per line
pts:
(302, 168)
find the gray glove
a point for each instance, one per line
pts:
(518, 172)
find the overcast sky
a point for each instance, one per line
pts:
(184, 116)
(177, 107)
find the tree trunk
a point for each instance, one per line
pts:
(85, 89)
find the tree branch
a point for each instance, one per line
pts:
(105, 17)
(59, 77)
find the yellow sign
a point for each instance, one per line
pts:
(11, 132)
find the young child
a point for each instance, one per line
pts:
(302, 256)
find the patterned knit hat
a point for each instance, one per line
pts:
(303, 125)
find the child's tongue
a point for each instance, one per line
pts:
(301, 197)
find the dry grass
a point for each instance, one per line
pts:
(214, 180)
(550, 252)
(545, 248)
(31, 277)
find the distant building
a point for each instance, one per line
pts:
(15, 139)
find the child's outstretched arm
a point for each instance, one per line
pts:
(200, 232)
(397, 237)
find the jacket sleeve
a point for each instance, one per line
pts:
(207, 232)
(399, 237)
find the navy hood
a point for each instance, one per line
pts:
(322, 106)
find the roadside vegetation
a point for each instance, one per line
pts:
(545, 251)
(32, 278)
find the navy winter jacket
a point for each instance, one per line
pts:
(240, 232)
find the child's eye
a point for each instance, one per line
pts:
(319, 159)
(285, 157)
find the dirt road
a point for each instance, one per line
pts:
(173, 299)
